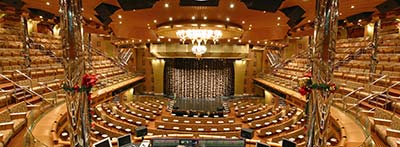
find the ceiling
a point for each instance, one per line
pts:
(141, 24)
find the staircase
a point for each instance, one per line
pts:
(352, 56)
(45, 51)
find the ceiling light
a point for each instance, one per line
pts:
(193, 17)
(170, 18)
(352, 6)
(264, 11)
(199, 50)
(205, 17)
(120, 22)
(134, 10)
(278, 24)
(249, 29)
(279, 18)
(243, 22)
(40, 17)
(250, 25)
(359, 20)
(231, 5)
(119, 16)
(48, 3)
(228, 19)
(90, 18)
(155, 21)
(166, 5)
(148, 24)
(149, 28)
(309, 21)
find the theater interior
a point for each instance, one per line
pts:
(200, 73)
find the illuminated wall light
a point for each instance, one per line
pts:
(148, 24)
(228, 19)
(278, 24)
(169, 39)
(170, 19)
(205, 17)
(240, 40)
(90, 18)
(155, 21)
(48, 3)
(119, 16)
(279, 18)
(243, 22)
(258, 42)
(249, 41)
(149, 28)
(229, 40)
(148, 40)
(352, 6)
(120, 22)
(193, 17)
(249, 29)
(340, 14)
(265, 42)
(308, 21)
(359, 20)
(140, 40)
(232, 6)
(41, 17)
(158, 40)
(166, 5)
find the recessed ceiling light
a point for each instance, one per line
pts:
(193, 17)
(40, 17)
(155, 21)
(48, 3)
(134, 10)
(250, 25)
(243, 22)
(149, 28)
(228, 19)
(249, 29)
(264, 11)
(205, 17)
(359, 20)
(148, 24)
(352, 6)
(231, 5)
(90, 18)
(170, 18)
(279, 18)
(120, 22)
(278, 24)
(166, 5)
(119, 16)
(308, 21)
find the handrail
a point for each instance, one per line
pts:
(112, 59)
(23, 74)
(377, 80)
(351, 56)
(26, 89)
(352, 92)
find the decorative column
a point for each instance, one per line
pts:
(25, 43)
(374, 47)
(322, 56)
(74, 66)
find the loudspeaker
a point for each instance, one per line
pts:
(356, 17)
(104, 20)
(17, 4)
(292, 22)
(128, 5)
(199, 3)
(42, 13)
(141, 131)
(220, 108)
(247, 133)
(388, 5)
(263, 5)
(106, 10)
(294, 12)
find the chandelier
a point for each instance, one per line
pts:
(199, 50)
(199, 36)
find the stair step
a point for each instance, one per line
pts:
(24, 97)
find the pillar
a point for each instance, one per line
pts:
(374, 47)
(25, 43)
(322, 56)
(74, 68)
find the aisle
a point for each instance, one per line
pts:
(355, 134)
(43, 127)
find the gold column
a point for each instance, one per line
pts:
(25, 42)
(73, 62)
(374, 59)
(158, 76)
(240, 71)
(322, 56)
